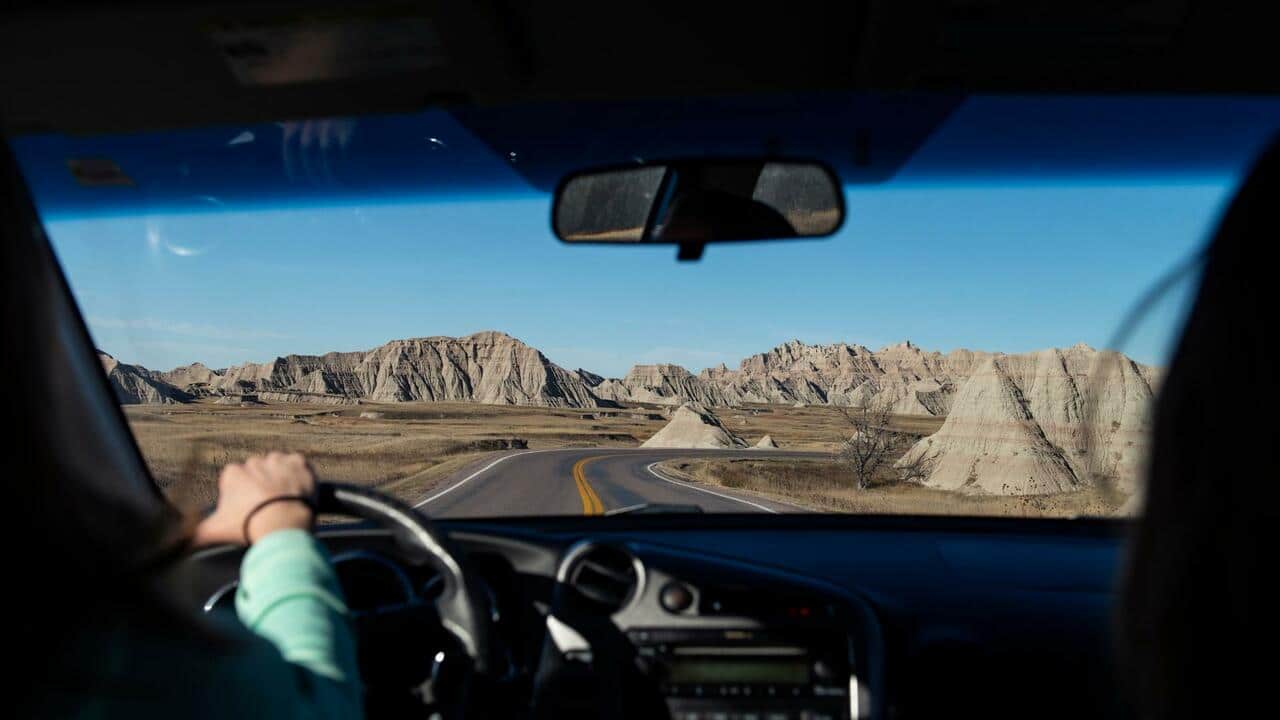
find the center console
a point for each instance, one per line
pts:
(750, 673)
(715, 641)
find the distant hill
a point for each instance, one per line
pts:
(134, 384)
(487, 367)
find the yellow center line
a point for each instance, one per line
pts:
(591, 504)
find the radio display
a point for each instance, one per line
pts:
(710, 670)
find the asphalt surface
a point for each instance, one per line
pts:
(589, 481)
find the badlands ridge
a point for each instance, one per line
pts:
(1040, 422)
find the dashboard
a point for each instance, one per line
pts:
(724, 618)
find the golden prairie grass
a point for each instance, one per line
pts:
(412, 447)
(406, 451)
(811, 427)
(827, 486)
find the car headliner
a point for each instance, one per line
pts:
(91, 67)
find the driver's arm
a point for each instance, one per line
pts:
(288, 594)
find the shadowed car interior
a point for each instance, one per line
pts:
(526, 284)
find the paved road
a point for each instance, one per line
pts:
(588, 481)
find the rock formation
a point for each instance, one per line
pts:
(694, 426)
(134, 384)
(904, 377)
(766, 443)
(1037, 422)
(1030, 423)
(909, 379)
(1043, 422)
(195, 379)
(661, 385)
(487, 367)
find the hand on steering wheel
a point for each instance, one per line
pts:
(263, 494)
(279, 491)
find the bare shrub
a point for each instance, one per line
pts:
(916, 468)
(870, 446)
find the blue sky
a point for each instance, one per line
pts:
(1018, 224)
(1008, 266)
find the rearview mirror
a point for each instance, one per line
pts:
(693, 202)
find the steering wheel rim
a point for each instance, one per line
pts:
(461, 605)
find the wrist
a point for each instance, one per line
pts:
(284, 513)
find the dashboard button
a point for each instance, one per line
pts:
(676, 597)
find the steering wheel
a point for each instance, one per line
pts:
(463, 603)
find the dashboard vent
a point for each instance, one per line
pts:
(605, 576)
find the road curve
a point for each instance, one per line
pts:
(589, 481)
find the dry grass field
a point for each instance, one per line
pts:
(808, 428)
(409, 448)
(412, 446)
(828, 487)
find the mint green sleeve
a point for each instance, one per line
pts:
(289, 595)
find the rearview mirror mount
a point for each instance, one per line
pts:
(690, 203)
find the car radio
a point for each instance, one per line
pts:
(750, 673)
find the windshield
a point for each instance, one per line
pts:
(387, 296)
